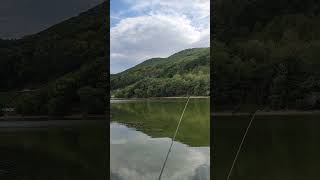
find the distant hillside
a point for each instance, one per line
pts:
(186, 72)
(65, 47)
(266, 53)
(63, 65)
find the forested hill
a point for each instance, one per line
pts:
(186, 72)
(65, 66)
(266, 53)
(39, 58)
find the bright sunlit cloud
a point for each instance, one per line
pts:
(144, 29)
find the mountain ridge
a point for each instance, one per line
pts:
(70, 58)
(182, 67)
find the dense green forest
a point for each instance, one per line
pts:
(266, 53)
(60, 69)
(184, 73)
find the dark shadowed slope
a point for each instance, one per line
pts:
(66, 65)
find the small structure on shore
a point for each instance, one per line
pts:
(7, 111)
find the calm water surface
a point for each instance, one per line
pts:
(276, 147)
(140, 138)
(53, 150)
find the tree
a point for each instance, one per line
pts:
(91, 99)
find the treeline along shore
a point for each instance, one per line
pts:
(155, 98)
(46, 117)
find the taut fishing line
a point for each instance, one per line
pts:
(174, 136)
(240, 146)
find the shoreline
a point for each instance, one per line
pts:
(104, 117)
(171, 97)
(268, 113)
(48, 118)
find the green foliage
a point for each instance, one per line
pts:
(31, 103)
(266, 53)
(184, 73)
(55, 63)
(63, 48)
(91, 100)
(57, 106)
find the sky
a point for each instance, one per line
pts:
(24, 17)
(143, 29)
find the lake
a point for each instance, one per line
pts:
(276, 147)
(140, 136)
(53, 150)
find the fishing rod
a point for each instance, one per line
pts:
(240, 146)
(174, 136)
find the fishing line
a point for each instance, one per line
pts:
(239, 149)
(174, 136)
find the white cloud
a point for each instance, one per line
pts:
(196, 8)
(167, 27)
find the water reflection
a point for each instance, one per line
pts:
(53, 150)
(277, 147)
(135, 155)
(158, 118)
